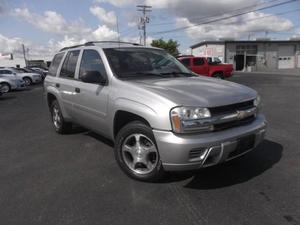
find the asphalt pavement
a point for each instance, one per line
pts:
(47, 178)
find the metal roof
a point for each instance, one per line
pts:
(242, 41)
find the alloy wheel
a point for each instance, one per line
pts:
(139, 153)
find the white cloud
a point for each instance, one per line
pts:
(200, 8)
(108, 18)
(51, 21)
(10, 45)
(235, 27)
(14, 45)
(118, 3)
(191, 12)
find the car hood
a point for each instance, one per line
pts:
(27, 74)
(198, 91)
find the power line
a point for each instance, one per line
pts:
(224, 18)
(217, 15)
(144, 19)
(262, 17)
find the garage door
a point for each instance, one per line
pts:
(286, 56)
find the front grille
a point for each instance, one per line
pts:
(231, 108)
(223, 126)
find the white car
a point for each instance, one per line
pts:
(29, 78)
(11, 83)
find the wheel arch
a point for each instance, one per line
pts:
(122, 118)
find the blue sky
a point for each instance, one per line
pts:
(45, 26)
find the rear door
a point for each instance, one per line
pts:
(66, 82)
(199, 66)
(90, 103)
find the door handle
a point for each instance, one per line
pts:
(77, 90)
(57, 85)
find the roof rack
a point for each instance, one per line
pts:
(92, 43)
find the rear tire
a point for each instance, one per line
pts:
(218, 75)
(59, 123)
(137, 154)
(27, 81)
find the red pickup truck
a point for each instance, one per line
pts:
(207, 66)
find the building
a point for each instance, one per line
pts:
(253, 55)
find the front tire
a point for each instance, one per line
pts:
(27, 81)
(137, 154)
(59, 123)
(5, 87)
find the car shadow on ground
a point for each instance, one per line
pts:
(5, 97)
(239, 170)
(100, 138)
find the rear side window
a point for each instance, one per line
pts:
(185, 62)
(6, 72)
(198, 61)
(91, 61)
(69, 66)
(55, 64)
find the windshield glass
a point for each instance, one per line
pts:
(144, 62)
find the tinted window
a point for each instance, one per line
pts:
(185, 62)
(6, 72)
(69, 66)
(91, 61)
(55, 64)
(198, 61)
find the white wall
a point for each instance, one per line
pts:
(12, 63)
(210, 50)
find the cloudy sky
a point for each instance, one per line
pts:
(48, 25)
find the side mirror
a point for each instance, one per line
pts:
(15, 73)
(93, 77)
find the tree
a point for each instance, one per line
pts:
(170, 46)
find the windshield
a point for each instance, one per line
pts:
(144, 62)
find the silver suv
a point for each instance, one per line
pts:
(160, 115)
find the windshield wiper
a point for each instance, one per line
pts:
(144, 74)
(178, 73)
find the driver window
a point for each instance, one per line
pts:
(91, 61)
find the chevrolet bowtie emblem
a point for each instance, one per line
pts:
(241, 114)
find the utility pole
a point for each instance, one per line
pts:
(24, 54)
(118, 30)
(144, 19)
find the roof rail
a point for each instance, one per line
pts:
(92, 43)
(114, 42)
(74, 46)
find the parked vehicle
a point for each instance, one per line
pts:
(29, 78)
(1, 91)
(207, 66)
(9, 83)
(160, 115)
(41, 71)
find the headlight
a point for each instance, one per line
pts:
(190, 119)
(257, 102)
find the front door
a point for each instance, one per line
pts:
(90, 100)
(199, 66)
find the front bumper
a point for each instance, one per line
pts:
(213, 148)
